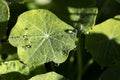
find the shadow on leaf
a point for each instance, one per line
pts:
(104, 50)
(13, 76)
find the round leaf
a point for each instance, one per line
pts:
(49, 76)
(104, 42)
(112, 73)
(4, 16)
(41, 37)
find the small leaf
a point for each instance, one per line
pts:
(49, 76)
(104, 42)
(4, 16)
(112, 73)
(40, 37)
(13, 66)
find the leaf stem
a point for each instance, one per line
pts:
(89, 63)
(80, 49)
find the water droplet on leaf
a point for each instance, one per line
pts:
(28, 46)
(25, 37)
(72, 31)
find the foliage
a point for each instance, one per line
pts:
(50, 76)
(103, 40)
(59, 40)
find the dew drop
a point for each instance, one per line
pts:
(25, 37)
(28, 46)
(72, 31)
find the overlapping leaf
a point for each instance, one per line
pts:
(83, 18)
(104, 42)
(80, 14)
(4, 16)
(112, 73)
(40, 37)
(49, 76)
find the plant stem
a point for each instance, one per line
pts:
(89, 63)
(80, 48)
(103, 8)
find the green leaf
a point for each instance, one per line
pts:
(41, 37)
(4, 16)
(112, 73)
(83, 18)
(49, 76)
(80, 14)
(13, 66)
(104, 42)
